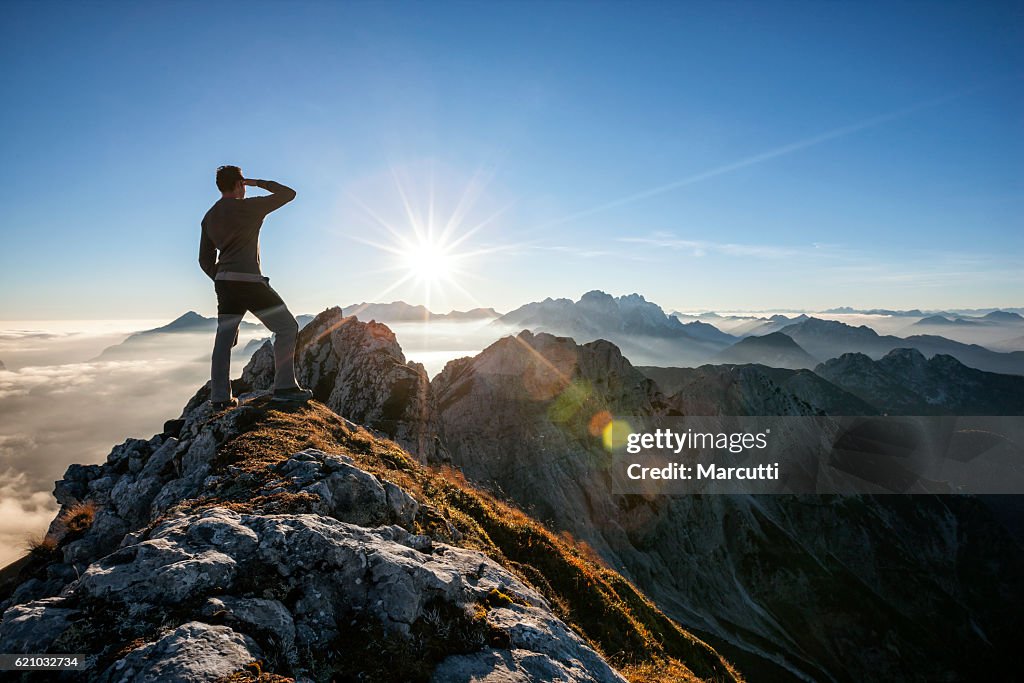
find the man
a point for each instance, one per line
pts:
(232, 227)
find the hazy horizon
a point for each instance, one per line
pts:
(131, 324)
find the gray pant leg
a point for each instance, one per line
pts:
(220, 367)
(281, 322)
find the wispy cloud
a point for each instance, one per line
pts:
(703, 247)
(780, 151)
(17, 335)
(589, 252)
(24, 511)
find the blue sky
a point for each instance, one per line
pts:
(719, 155)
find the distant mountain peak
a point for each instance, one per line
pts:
(771, 339)
(1004, 316)
(775, 350)
(189, 319)
(934, 320)
(819, 325)
(596, 295)
(908, 355)
(633, 298)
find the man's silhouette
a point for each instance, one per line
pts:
(232, 227)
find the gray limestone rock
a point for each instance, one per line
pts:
(33, 626)
(192, 652)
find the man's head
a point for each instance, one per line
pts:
(229, 181)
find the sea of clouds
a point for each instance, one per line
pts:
(60, 404)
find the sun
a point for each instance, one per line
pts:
(428, 241)
(428, 260)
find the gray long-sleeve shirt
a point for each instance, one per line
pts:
(232, 227)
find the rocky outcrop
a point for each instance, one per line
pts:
(527, 402)
(822, 588)
(180, 575)
(359, 371)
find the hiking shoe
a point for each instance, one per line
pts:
(221, 405)
(293, 394)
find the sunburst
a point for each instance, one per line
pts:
(428, 250)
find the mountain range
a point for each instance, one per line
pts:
(754, 390)
(917, 313)
(826, 339)
(748, 326)
(647, 335)
(399, 311)
(639, 327)
(467, 523)
(904, 382)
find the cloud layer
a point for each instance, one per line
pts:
(52, 416)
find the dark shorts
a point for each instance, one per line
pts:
(235, 297)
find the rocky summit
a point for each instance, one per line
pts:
(272, 544)
(358, 370)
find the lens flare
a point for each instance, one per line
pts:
(615, 434)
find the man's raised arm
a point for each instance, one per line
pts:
(279, 195)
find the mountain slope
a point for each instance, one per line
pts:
(794, 588)
(359, 370)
